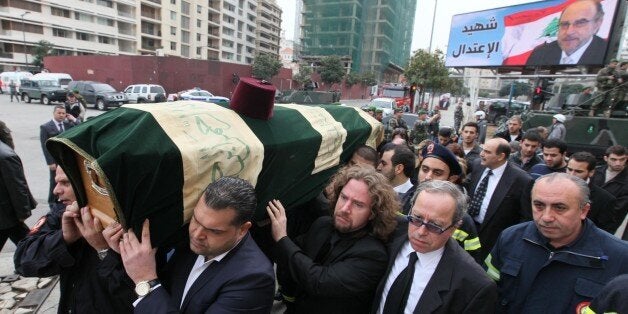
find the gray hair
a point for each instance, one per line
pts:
(516, 118)
(581, 184)
(447, 188)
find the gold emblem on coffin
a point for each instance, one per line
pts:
(98, 199)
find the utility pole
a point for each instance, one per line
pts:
(433, 21)
(24, 39)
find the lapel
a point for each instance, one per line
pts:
(441, 281)
(180, 275)
(503, 186)
(207, 275)
(393, 249)
(53, 129)
(475, 179)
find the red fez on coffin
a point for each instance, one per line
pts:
(254, 98)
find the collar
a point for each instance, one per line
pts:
(497, 172)
(218, 258)
(425, 259)
(576, 55)
(586, 244)
(403, 188)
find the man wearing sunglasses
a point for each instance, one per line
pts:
(428, 271)
(576, 41)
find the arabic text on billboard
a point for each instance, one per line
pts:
(556, 32)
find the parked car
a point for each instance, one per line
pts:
(16, 77)
(386, 104)
(46, 91)
(201, 95)
(63, 79)
(499, 111)
(141, 93)
(101, 95)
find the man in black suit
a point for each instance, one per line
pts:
(397, 164)
(60, 122)
(16, 200)
(220, 270)
(613, 177)
(428, 272)
(603, 211)
(576, 41)
(335, 267)
(504, 199)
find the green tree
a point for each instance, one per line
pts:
(266, 66)
(304, 77)
(352, 79)
(455, 86)
(332, 71)
(42, 49)
(520, 88)
(428, 70)
(368, 78)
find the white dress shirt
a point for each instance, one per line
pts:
(199, 267)
(574, 58)
(490, 189)
(403, 188)
(423, 271)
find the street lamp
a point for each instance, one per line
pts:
(24, 39)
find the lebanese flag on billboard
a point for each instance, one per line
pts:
(527, 29)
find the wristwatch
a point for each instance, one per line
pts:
(142, 288)
(102, 254)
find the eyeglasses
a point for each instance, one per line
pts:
(577, 24)
(430, 226)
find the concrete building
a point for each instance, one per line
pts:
(368, 35)
(224, 30)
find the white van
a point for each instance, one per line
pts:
(16, 77)
(63, 78)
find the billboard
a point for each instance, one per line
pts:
(546, 33)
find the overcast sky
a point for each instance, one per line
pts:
(423, 18)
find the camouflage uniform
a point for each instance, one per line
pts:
(458, 116)
(420, 131)
(605, 84)
(394, 124)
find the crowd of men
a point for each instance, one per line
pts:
(431, 221)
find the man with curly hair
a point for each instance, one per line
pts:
(335, 267)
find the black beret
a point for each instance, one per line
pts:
(445, 155)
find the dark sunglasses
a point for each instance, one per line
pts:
(430, 226)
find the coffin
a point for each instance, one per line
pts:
(154, 160)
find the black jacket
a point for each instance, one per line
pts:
(342, 280)
(549, 54)
(506, 135)
(618, 187)
(16, 201)
(88, 285)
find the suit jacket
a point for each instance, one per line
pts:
(549, 54)
(242, 282)
(506, 135)
(16, 200)
(341, 280)
(48, 130)
(618, 187)
(458, 285)
(603, 207)
(509, 204)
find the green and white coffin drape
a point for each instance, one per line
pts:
(156, 159)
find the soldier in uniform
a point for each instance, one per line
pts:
(421, 127)
(622, 83)
(606, 80)
(396, 121)
(458, 117)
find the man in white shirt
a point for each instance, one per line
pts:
(397, 165)
(428, 271)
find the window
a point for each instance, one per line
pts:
(136, 89)
(173, 1)
(227, 31)
(198, 51)
(173, 15)
(185, 37)
(228, 6)
(60, 32)
(105, 3)
(144, 89)
(199, 23)
(60, 12)
(185, 50)
(104, 21)
(173, 46)
(228, 19)
(227, 43)
(84, 17)
(82, 36)
(199, 9)
(198, 37)
(185, 22)
(185, 7)
(173, 30)
(105, 40)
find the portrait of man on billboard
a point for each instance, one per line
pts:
(577, 41)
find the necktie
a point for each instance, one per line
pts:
(400, 289)
(61, 127)
(478, 197)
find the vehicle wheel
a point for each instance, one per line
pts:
(141, 100)
(100, 104)
(45, 100)
(26, 98)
